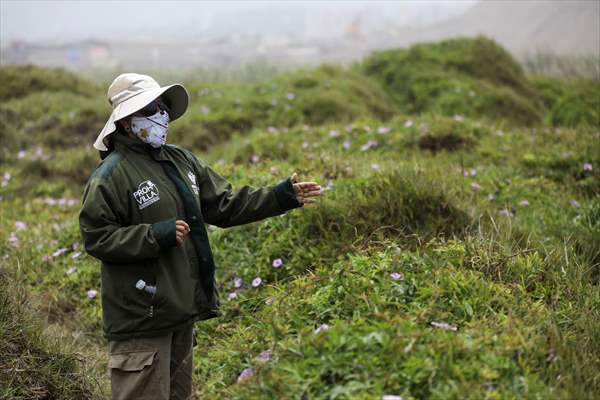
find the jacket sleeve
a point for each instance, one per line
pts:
(104, 236)
(224, 206)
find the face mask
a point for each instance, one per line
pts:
(153, 129)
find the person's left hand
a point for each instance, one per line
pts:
(305, 190)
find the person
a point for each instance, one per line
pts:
(143, 216)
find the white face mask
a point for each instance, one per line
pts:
(153, 129)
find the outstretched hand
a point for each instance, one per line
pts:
(305, 190)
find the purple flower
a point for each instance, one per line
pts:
(232, 295)
(391, 397)
(290, 96)
(444, 325)
(475, 186)
(349, 128)
(76, 255)
(334, 133)
(13, 239)
(375, 166)
(524, 203)
(396, 275)
(587, 166)
(277, 262)
(20, 225)
(272, 129)
(71, 270)
(304, 145)
(59, 252)
(408, 123)
(506, 213)
(499, 133)
(256, 282)
(382, 130)
(92, 293)
(322, 327)
(255, 158)
(459, 118)
(264, 356)
(274, 102)
(575, 204)
(21, 154)
(205, 109)
(237, 282)
(246, 373)
(346, 144)
(47, 258)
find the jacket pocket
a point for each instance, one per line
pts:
(136, 374)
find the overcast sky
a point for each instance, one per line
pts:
(64, 21)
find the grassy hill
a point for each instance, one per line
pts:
(454, 252)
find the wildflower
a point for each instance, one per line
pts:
(322, 327)
(277, 262)
(475, 186)
(71, 270)
(459, 118)
(20, 225)
(237, 282)
(408, 123)
(76, 246)
(13, 239)
(92, 293)
(375, 166)
(391, 397)
(274, 169)
(499, 133)
(290, 96)
(575, 204)
(232, 295)
(264, 356)
(524, 203)
(246, 373)
(346, 144)
(76, 255)
(221, 161)
(506, 213)
(47, 258)
(422, 126)
(587, 166)
(21, 154)
(334, 133)
(269, 300)
(256, 282)
(59, 252)
(205, 109)
(7, 176)
(274, 102)
(304, 145)
(396, 275)
(348, 128)
(382, 130)
(255, 158)
(272, 129)
(444, 325)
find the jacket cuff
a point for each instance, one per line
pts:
(286, 197)
(165, 233)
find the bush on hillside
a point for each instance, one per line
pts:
(20, 81)
(472, 77)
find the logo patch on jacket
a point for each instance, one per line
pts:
(192, 179)
(146, 194)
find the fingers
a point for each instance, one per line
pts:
(181, 231)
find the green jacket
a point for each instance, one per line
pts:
(127, 221)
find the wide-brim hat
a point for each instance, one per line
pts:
(131, 92)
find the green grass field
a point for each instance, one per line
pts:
(454, 252)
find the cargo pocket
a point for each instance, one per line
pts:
(135, 374)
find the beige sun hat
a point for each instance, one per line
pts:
(131, 92)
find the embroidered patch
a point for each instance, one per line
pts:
(146, 194)
(192, 179)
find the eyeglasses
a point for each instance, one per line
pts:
(151, 108)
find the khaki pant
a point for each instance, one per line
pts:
(156, 368)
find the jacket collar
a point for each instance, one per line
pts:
(126, 144)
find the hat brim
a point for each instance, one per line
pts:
(175, 96)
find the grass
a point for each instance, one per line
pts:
(448, 256)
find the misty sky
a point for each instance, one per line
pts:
(51, 22)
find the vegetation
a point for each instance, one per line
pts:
(452, 253)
